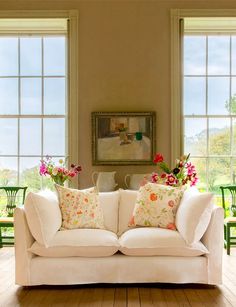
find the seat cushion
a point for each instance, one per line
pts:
(230, 219)
(153, 241)
(79, 242)
(193, 215)
(43, 215)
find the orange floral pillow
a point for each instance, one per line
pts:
(156, 206)
(80, 209)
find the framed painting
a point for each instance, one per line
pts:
(123, 138)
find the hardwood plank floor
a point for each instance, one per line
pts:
(144, 295)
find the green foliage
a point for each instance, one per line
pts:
(230, 105)
(31, 178)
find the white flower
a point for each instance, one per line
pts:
(55, 171)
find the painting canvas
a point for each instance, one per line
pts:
(123, 138)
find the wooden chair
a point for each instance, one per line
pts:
(11, 196)
(229, 222)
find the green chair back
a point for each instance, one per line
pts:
(11, 193)
(232, 207)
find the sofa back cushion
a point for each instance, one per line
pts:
(126, 208)
(193, 215)
(110, 202)
(43, 215)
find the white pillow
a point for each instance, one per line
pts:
(43, 215)
(193, 215)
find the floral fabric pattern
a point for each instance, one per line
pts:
(80, 209)
(156, 206)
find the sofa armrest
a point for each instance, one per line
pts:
(214, 242)
(23, 241)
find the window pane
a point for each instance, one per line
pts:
(195, 136)
(200, 165)
(30, 56)
(8, 136)
(194, 96)
(8, 56)
(233, 54)
(218, 94)
(234, 170)
(218, 55)
(219, 173)
(31, 95)
(219, 136)
(29, 173)
(8, 171)
(195, 55)
(54, 137)
(54, 96)
(54, 56)
(234, 137)
(30, 136)
(8, 96)
(231, 104)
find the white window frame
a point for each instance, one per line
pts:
(72, 73)
(177, 137)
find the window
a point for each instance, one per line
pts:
(209, 104)
(34, 104)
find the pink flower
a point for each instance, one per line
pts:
(158, 158)
(43, 169)
(194, 181)
(72, 174)
(171, 180)
(154, 178)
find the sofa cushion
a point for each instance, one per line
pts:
(156, 205)
(193, 215)
(126, 207)
(79, 242)
(154, 241)
(80, 209)
(109, 202)
(43, 215)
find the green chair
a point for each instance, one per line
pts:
(229, 222)
(11, 203)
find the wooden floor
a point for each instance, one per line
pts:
(163, 295)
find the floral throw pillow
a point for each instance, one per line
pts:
(80, 209)
(156, 206)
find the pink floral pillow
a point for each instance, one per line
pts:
(156, 206)
(80, 209)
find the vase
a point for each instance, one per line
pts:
(59, 181)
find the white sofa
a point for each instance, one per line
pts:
(46, 255)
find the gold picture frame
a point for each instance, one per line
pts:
(123, 138)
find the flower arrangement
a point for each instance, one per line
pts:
(183, 173)
(59, 174)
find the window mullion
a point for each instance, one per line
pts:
(207, 119)
(19, 112)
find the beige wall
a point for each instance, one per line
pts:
(124, 64)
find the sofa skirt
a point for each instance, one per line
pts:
(118, 269)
